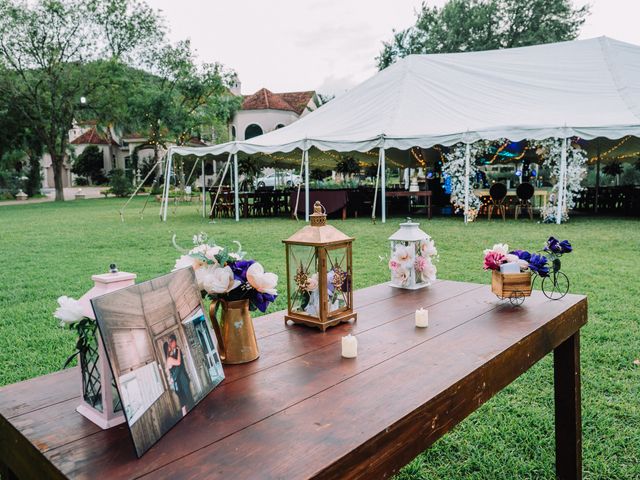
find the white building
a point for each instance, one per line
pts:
(265, 111)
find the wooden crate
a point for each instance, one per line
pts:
(506, 285)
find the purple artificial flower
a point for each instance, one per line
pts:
(522, 254)
(538, 264)
(558, 247)
(240, 268)
(262, 300)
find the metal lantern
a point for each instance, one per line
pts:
(411, 264)
(100, 401)
(319, 274)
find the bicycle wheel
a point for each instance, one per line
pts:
(555, 286)
(516, 298)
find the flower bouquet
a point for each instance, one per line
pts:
(225, 275)
(235, 284)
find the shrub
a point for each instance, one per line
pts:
(120, 185)
(90, 164)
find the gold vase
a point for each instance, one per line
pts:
(236, 337)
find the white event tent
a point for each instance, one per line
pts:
(584, 88)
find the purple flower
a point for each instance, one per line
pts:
(262, 300)
(538, 264)
(522, 254)
(558, 247)
(240, 268)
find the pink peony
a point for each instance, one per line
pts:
(493, 260)
(420, 263)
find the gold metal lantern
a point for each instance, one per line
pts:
(319, 274)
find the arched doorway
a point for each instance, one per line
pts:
(252, 130)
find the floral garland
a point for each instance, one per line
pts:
(456, 169)
(551, 149)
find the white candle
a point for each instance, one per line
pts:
(349, 346)
(422, 318)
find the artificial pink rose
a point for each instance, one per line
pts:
(493, 260)
(420, 263)
(394, 264)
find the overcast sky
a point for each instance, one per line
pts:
(325, 45)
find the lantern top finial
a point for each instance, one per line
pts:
(319, 216)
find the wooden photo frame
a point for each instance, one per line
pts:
(161, 352)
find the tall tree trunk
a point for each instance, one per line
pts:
(58, 162)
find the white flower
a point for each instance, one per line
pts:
(201, 274)
(208, 251)
(403, 255)
(262, 281)
(502, 248)
(312, 283)
(400, 276)
(219, 280)
(69, 311)
(187, 261)
(429, 271)
(428, 248)
(523, 264)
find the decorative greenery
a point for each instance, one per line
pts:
(472, 25)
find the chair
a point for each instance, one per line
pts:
(524, 192)
(497, 194)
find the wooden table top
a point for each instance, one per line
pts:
(301, 410)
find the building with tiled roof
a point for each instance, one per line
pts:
(264, 111)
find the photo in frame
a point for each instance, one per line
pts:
(161, 352)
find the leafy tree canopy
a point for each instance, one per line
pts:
(472, 25)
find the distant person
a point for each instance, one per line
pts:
(178, 372)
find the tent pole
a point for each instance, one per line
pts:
(383, 185)
(204, 190)
(306, 185)
(561, 186)
(166, 183)
(375, 193)
(295, 210)
(595, 206)
(224, 173)
(235, 186)
(467, 172)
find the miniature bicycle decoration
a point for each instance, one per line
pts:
(514, 272)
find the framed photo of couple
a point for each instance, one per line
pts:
(161, 352)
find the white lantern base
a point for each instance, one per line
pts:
(99, 418)
(417, 286)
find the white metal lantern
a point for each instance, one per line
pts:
(413, 253)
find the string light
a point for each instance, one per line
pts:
(612, 149)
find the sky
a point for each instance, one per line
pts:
(325, 45)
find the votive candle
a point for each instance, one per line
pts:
(422, 318)
(349, 346)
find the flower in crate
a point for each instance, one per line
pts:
(502, 248)
(538, 264)
(69, 311)
(493, 259)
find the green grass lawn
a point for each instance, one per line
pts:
(48, 250)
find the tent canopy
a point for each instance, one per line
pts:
(585, 88)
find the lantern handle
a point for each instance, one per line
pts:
(319, 208)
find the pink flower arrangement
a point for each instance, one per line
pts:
(493, 260)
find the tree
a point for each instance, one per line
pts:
(347, 166)
(90, 164)
(472, 25)
(50, 58)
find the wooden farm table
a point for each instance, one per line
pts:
(407, 194)
(302, 411)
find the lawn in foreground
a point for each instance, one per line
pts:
(48, 250)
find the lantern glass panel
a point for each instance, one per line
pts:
(338, 278)
(303, 280)
(403, 256)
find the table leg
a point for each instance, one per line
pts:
(566, 376)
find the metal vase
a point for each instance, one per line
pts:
(235, 333)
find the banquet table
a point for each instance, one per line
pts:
(303, 411)
(331, 200)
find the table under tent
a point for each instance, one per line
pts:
(553, 96)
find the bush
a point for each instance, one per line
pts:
(10, 183)
(81, 181)
(120, 185)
